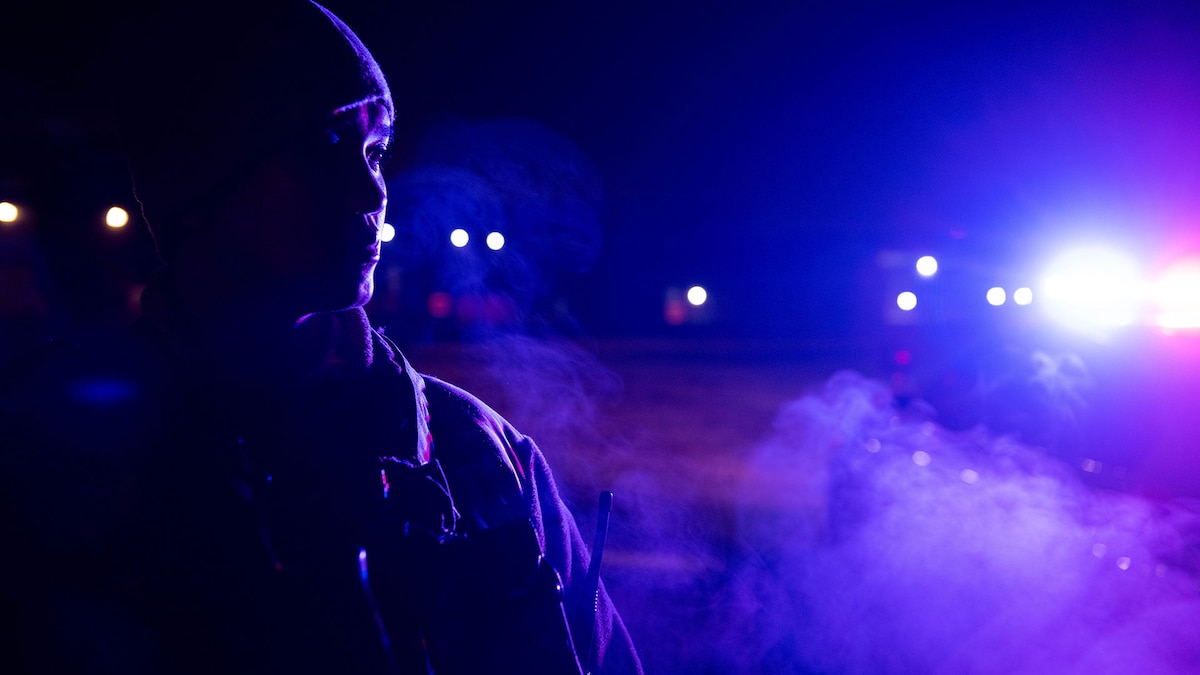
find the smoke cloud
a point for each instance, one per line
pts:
(861, 537)
(921, 550)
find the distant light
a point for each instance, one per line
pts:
(873, 445)
(386, 232)
(927, 266)
(906, 300)
(1023, 296)
(8, 212)
(1091, 466)
(439, 304)
(969, 476)
(996, 296)
(495, 241)
(102, 391)
(116, 217)
(1176, 297)
(674, 311)
(1099, 550)
(903, 357)
(921, 458)
(1093, 288)
(696, 295)
(1123, 562)
(459, 237)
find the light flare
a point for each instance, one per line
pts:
(8, 212)
(116, 217)
(1176, 297)
(1093, 288)
(996, 296)
(927, 265)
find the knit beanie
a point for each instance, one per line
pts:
(205, 89)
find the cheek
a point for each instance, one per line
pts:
(295, 225)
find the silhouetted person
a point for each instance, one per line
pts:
(253, 479)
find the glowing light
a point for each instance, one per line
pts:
(1099, 550)
(969, 476)
(1123, 562)
(102, 391)
(921, 458)
(872, 445)
(674, 311)
(1176, 296)
(927, 265)
(439, 304)
(696, 295)
(1023, 296)
(116, 217)
(1091, 466)
(906, 301)
(8, 212)
(495, 241)
(386, 232)
(459, 237)
(1093, 288)
(996, 296)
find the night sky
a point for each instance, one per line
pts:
(769, 151)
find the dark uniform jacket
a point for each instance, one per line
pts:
(163, 514)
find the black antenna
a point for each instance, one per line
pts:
(593, 577)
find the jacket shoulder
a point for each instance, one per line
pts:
(485, 458)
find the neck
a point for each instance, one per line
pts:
(240, 335)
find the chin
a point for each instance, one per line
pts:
(349, 296)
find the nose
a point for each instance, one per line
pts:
(367, 192)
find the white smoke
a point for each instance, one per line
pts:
(902, 547)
